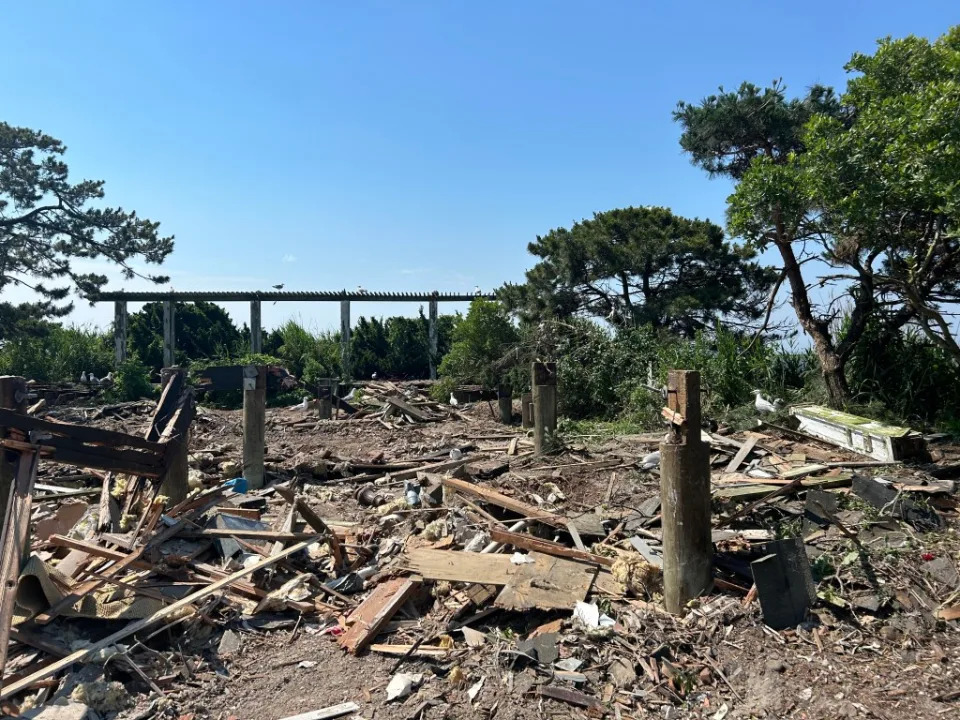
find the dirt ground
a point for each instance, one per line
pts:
(895, 662)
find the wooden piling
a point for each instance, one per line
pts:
(432, 336)
(326, 389)
(345, 369)
(685, 497)
(120, 322)
(169, 333)
(256, 328)
(526, 410)
(544, 380)
(254, 424)
(505, 400)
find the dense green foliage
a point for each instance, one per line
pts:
(47, 222)
(57, 354)
(480, 341)
(641, 266)
(204, 330)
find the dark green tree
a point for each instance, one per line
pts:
(204, 331)
(47, 222)
(755, 137)
(480, 341)
(369, 349)
(884, 177)
(641, 266)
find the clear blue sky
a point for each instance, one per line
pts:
(400, 145)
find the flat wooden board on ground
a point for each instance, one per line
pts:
(374, 612)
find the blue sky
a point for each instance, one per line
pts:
(403, 145)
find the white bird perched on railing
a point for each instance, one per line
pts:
(477, 291)
(763, 405)
(650, 461)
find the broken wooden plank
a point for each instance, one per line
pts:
(547, 547)
(573, 697)
(80, 433)
(15, 533)
(548, 583)
(803, 471)
(172, 610)
(400, 650)
(493, 497)
(375, 611)
(742, 454)
(457, 566)
(266, 535)
(408, 409)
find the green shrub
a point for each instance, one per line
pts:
(131, 381)
(480, 340)
(58, 354)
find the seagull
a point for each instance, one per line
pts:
(650, 461)
(373, 377)
(477, 291)
(278, 287)
(361, 290)
(453, 400)
(763, 405)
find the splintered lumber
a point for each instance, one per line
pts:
(573, 697)
(326, 713)
(374, 612)
(423, 651)
(802, 471)
(493, 497)
(268, 535)
(15, 532)
(169, 611)
(742, 454)
(81, 433)
(408, 409)
(546, 583)
(547, 547)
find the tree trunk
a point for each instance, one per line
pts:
(831, 361)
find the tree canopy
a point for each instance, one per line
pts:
(204, 331)
(47, 222)
(641, 266)
(865, 184)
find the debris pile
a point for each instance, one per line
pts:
(431, 543)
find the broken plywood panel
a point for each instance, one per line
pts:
(548, 582)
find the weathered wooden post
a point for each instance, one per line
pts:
(432, 335)
(345, 339)
(169, 333)
(175, 482)
(685, 496)
(13, 396)
(526, 410)
(544, 376)
(505, 400)
(256, 328)
(325, 392)
(120, 321)
(254, 424)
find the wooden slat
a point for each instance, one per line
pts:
(374, 612)
(547, 547)
(489, 495)
(82, 433)
(134, 627)
(742, 454)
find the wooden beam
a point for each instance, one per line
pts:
(375, 612)
(742, 454)
(547, 547)
(80, 433)
(489, 495)
(134, 627)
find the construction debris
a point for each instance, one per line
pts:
(419, 554)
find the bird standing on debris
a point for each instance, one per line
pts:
(650, 461)
(373, 377)
(304, 405)
(453, 400)
(763, 405)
